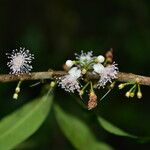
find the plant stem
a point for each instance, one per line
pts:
(122, 77)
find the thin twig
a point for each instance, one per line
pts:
(122, 77)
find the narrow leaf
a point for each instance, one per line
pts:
(18, 126)
(109, 127)
(78, 132)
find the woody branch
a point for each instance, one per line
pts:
(121, 76)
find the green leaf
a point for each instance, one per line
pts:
(18, 126)
(78, 132)
(113, 129)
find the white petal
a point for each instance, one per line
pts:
(75, 72)
(98, 68)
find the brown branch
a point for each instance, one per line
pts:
(130, 77)
(122, 77)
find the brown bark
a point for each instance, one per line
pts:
(122, 77)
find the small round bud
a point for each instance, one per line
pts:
(100, 59)
(69, 63)
(127, 94)
(15, 96)
(52, 84)
(112, 85)
(84, 71)
(81, 92)
(139, 95)
(132, 94)
(17, 90)
(121, 86)
(109, 60)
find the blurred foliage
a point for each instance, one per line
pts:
(54, 31)
(21, 124)
(77, 132)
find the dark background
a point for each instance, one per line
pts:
(56, 29)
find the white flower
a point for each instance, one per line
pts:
(69, 63)
(70, 82)
(100, 59)
(107, 74)
(20, 61)
(85, 58)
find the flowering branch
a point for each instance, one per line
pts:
(83, 74)
(121, 77)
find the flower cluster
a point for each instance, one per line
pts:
(78, 69)
(84, 63)
(84, 74)
(135, 88)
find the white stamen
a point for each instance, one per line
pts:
(85, 58)
(20, 61)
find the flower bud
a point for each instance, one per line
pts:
(127, 94)
(81, 92)
(69, 63)
(109, 56)
(15, 96)
(17, 90)
(132, 94)
(100, 59)
(139, 95)
(52, 84)
(121, 86)
(112, 85)
(84, 71)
